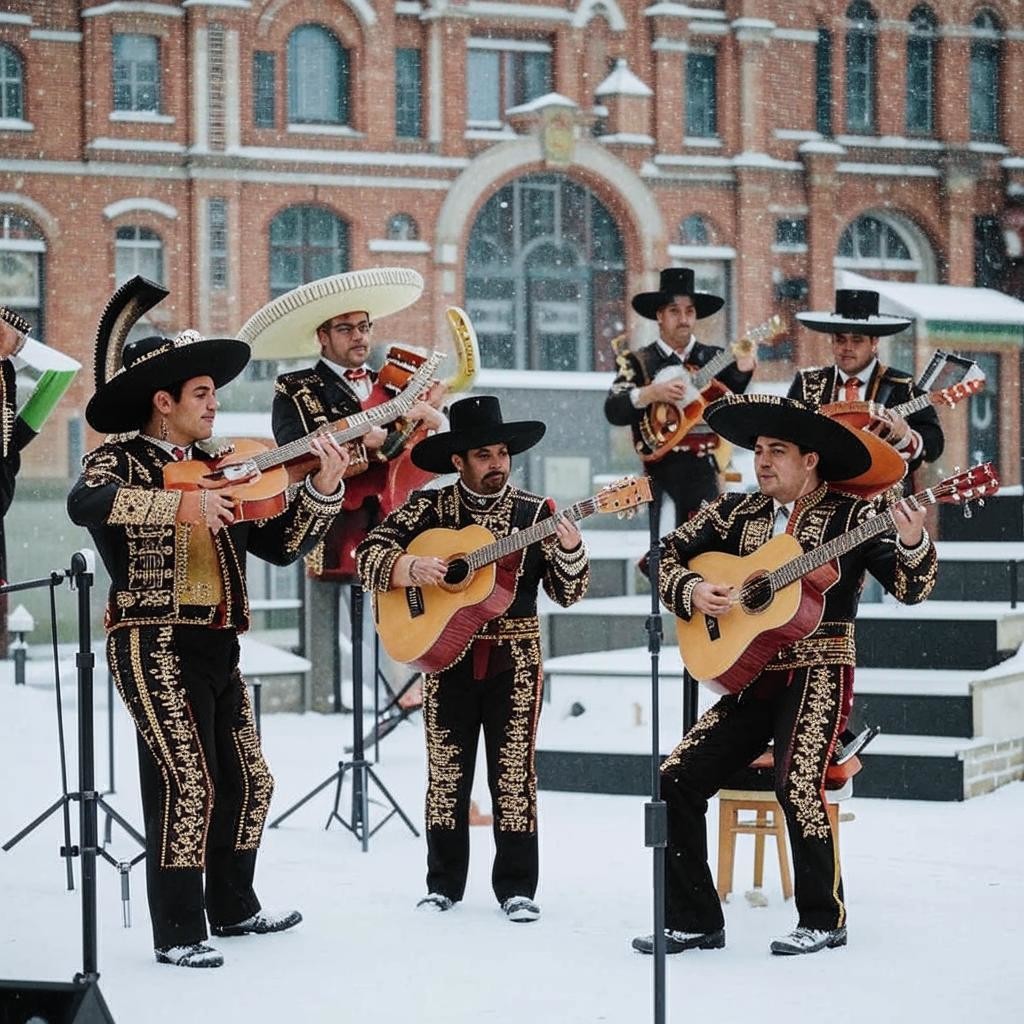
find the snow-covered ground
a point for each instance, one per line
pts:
(935, 891)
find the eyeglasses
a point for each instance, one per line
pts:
(347, 330)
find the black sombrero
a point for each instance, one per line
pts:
(742, 419)
(856, 312)
(475, 422)
(676, 281)
(128, 374)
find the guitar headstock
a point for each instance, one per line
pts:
(767, 331)
(624, 496)
(958, 392)
(422, 377)
(976, 484)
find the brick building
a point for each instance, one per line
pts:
(537, 161)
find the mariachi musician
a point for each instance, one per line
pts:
(334, 317)
(857, 375)
(178, 600)
(689, 474)
(797, 698)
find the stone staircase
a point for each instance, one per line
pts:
(944, 680)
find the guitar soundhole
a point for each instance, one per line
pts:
(457, 572)
(757, 593)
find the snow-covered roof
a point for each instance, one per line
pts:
(935, 302)
(622, 82)
(549, 99)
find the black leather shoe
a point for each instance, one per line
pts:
(196, 954)
(808, 940)
(677, 942)
(261, 923)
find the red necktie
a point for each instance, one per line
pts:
(851, 389)
(358, 374)
(178, 453)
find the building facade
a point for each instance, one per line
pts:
(537, 161)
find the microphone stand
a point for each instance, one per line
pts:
(655, 811)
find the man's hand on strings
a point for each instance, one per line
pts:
(418, 571)
(209, 506)
(334, 459)
(568, 536)
(713, 598)
(909, 523)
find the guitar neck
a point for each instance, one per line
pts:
(915, 404)
(703, 377)
(795, 568)
(524, 538)
(357, 424)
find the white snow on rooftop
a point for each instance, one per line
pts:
(931, 302)
(623, 82)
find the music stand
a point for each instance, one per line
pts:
(361, 770)
(80, 576)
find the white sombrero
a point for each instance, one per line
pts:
(286, 327)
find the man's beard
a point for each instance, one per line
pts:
(492, 483)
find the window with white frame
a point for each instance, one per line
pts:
(306, 243)
(702, 95)
(136, 70)
(408, 93)
(12, 85)
(217, 241)
(921, 71)
(402, 227)
(823, 83)
(138, 250)
(984, 78)
(264, 76)
(861, 58)
(22, 263)
(504, 73)
(319, 77)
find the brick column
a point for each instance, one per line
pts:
(669, 97)
(891, 83)
(753, 36)
(952, 85)
(960, 186)
(754, 232)
(446, 60)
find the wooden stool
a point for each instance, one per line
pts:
(769, 820)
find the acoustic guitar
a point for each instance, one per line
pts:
(257, 475)
(429, 627)
(887, 465)
(665, 425)
(779, 590)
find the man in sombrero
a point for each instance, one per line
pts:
(857, 375)
(797, 699)
(496, 683)
(176, 606)
(334, 320)
(646, 376)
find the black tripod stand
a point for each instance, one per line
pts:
(81, 579)
(361, 769)
(655, 811)
(86, 992)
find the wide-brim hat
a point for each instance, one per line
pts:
(475, 422)
(285, 328)
(128, 374)
(856, 312)
(742, 419)
(676, 281)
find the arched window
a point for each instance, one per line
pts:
(22, 264)
(318, 77)
(12, 85)
(861, 55)
(984, 85)
(921, 71)
(694, 230)
(138, 251)
(545, 276)
(884, 242)
(306, 243)
(402, 227)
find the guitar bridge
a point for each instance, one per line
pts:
(711, 624)
(414, 600)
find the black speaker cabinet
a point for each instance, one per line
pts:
(52, 1002)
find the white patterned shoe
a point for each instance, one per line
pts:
(197, 954)
(520, 909)
(808, 940)
(436, 902)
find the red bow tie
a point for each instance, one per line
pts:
(178, 453)
(358, 374)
